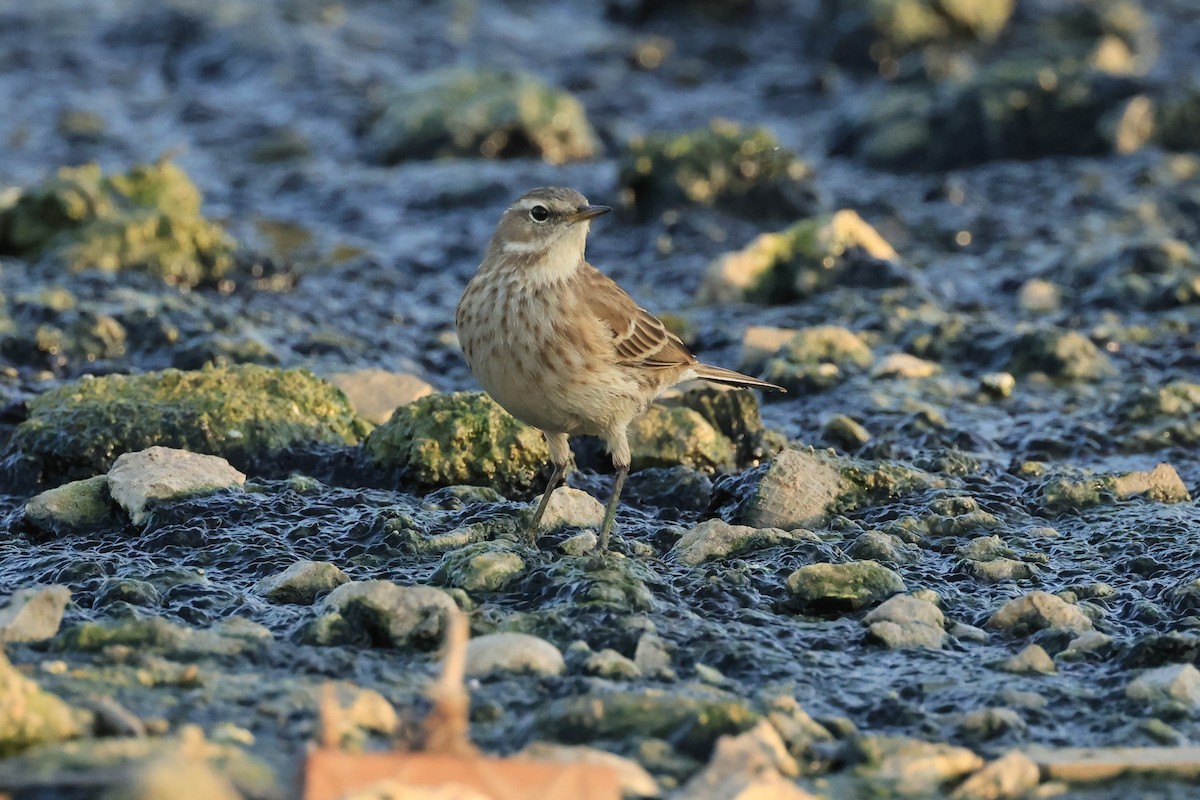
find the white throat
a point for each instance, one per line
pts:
(560, 259)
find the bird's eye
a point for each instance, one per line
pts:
(539, 214)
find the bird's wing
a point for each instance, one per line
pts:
(639, 338)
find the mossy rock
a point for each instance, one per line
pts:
(735, 414)
(862, 33)
(1017, 109)
(692, 717)
(817, 358)
(460, 438)
(146, 219)
(247, 414)
(667, 436)
(1149, 418)
(803, 259)
(1060, 354)
(741, 171)
(30, 716)
(480, 567)
(492, 114)
(838, 588)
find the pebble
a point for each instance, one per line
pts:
(394, 615)
(841, 587)
(157, 474)
(33, 614)
(652, 657)
(1035, 611)
(1032, 660)
(1179, 683)
(77, 505)
(716, 539)
(905, 365)
(1010, 777)
(513, 652)
(301, 583)
(608, 663)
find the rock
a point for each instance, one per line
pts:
(391, 615)
(375, 393)
(1035, 611)
(998, 384)
(740, 171)
(690, 715)
(1002, 569)
(760, 344)
(571, 508)
(481, 567)
(1085, 644)
(1060, 354)
(513, 652)
(904, 621)
(749, 765)
(817, 358)
(844, 432)
(1037, 296)
(652, 658)
(799, 731)
(735, 414)
(246, 414)
(1010, 777)
(989, 723)
(1088, 765)
(809, 257)
(883, 547)
(1032, 660)
(910, 767)
(990, 116)
(580, 544)
(984, 548)
(1161, 484)
(1178, 683)
(140, 480)
(34, 614)
(74, 506)
(716, 539)
(608, 663)
(301, 583)
(632, 778)
(904, 365)
(668, 436)
(797, 490)
(178, 777)
(496, 114)
(30, 716)
(147, 219)
(838, 588)
(861, 33)
(1150, 418)
(460, 438)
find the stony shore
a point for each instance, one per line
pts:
(243, 461)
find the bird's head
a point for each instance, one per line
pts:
(551, 222)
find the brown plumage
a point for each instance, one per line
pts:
(560, 345)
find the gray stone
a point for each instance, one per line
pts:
(984, 548)
(1179, 683)
(903, 608)
(717, 539)
(797, 491)
(301, 583)
(580, 544)
(1035, 611)
(904, 365)
(752, 764)
(376, 393)
(1085, 644)
(884, 547)
(571, 508)
(482, 567)
(904, 635)
(513, 652)
(78, 505)
(843, 587)
(989, 723)
(393, 615)
(33, 614)
(998, 570)
(1161, 483)
(163, 473)
(652, 657)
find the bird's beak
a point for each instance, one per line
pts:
(588, 212)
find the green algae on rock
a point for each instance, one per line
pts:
(805, 258)
(837, 588)
(1151, 417)
(737, 170)
(246, 414)
(1014, 109)
(78, 505)
(1161, 484)
(666, 436)
(458, 112)
(692, 716)
(817, 358)
(30, 716)
(480, 567)
(460, 438)
(735, 414)
(146, 219)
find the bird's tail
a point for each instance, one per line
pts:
(731, 378)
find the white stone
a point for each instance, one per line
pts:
(571, 508)
(513, 652)
(164, 473)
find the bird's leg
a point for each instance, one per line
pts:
(560, 456)
(610, 511)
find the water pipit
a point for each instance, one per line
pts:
(560, 345)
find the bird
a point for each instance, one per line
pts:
(560, 346)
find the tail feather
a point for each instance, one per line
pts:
(731, 378)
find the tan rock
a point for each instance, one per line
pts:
(164, 473)
(635, 781)
(915, 767)
(376, 393)
(754, 765)
(1094, 764)
(760, 344)
(1010, 777)
(904, 365)
(1037, 610)
(1161, 483)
